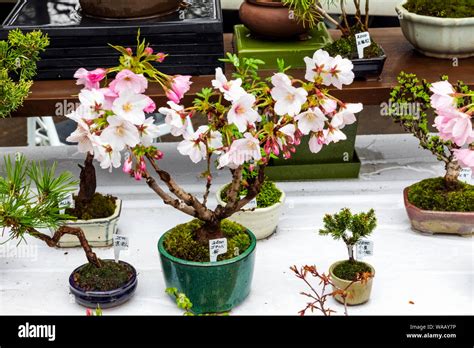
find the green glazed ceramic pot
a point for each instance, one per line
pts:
(212, 287)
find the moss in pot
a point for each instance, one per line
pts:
(352, 275)
(269, 194)
(24, 211)
(441, 8)
(439, 205)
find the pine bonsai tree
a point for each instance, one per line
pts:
(360, 225)
(18, 57)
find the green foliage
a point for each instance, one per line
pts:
(31, 196)
(360, 225)
(18, 57)
(184, 303)
(110, 276)
(349, 270)
(99, 207)
(442, 8)
(181, 241)
(432, 194)
(347, 48)
(269, 194)
(304, 11)
(413, 91)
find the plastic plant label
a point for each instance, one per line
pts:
(466, 176)
(120, 243)
(364, 248)
(67, 202)
(217, 247)
(363, 41)
(252, 204)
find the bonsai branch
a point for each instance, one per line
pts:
(54, 240)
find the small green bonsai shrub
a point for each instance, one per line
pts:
(184, 303)
(100, 206)
(360, 225)
(268, 196)
(110, 276)
(431, 194)
(18, 57)
(442, 8)
(181, 241)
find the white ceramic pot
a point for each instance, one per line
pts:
(98, 232)
(438, 37)
(261, 221)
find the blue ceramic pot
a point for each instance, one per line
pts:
(104, 299)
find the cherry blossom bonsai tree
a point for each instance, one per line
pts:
(94, 100)
(453, 145)
(249, 121)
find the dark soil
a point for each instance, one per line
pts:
(110, 276)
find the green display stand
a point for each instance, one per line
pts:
(292, 51)
(319, 171)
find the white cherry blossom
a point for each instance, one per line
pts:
(312, 120)
(131, 106)
(289, 99)
(120, 133)
(232, 89)
(346, 116)
(242, 112)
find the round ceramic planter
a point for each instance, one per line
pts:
(128, 9)
(438, 37)
(98, 232)
(212, 287)
(429, 221)
(358, 293)
(263, 222)
(104, 299)
(270, 19)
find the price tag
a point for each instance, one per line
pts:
(363, 41)
(67, 202)
(217, 247)
(364, 248)
(120, 243)
(466, 176)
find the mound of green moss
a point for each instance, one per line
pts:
(346, 47)
(442, 8)
(348, 270)
(432, 194)
(110, 276)
(268, 196)
(181, 241)
(100, 207)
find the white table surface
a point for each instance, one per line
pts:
(435, 272)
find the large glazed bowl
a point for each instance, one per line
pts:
(128, 9)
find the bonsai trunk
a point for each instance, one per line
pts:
(453, 169)
(350, 250)
(210, 230)
(88, 183)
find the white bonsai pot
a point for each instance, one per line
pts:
(261, 221)
(98, 232)
(438, 37)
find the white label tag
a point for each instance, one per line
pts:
(364, 248)
(217, 247)
(120, 243)
(363, 41)
(252, 204)
(67, 202)
(466, 175)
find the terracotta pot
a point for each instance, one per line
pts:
(128, 9)
(270, 19)
(358, 293)
(430, 221)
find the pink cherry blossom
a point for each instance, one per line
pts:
(335, 71)
(465, 157)
(127, 165)
(127, 81)
(232, 89)
(179, 86)
(312, 120)
(83, 137)
(442, 97)
(92, 102)
(175, 118)
(160, 57)
(193, 146)
(328, 105)
(90, 79)
(454, 125)
(109, 97)
(148, 131)
(242, 112)
(316, 142)
(346, 116)
(241, 151)
(151, 106)
(289, 99)
(120, 133)
(148, 51)
(131, 107)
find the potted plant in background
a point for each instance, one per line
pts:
(439, 205)
(32, 198)
(262, 214)
(98, 215)
(18, 57)
(437, 28)
(128, 9)
(211, 259)
(345, 274)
